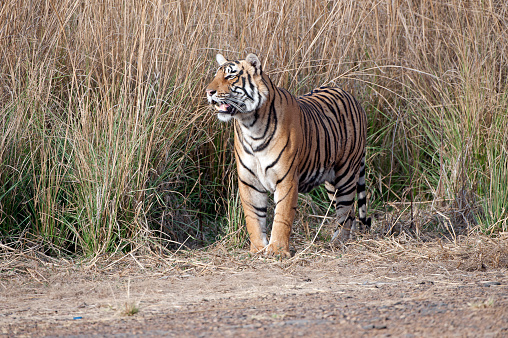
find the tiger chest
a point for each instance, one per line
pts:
(259, 167)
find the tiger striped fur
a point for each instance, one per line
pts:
(288, 145)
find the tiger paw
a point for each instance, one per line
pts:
(277, 250)
(257, 248)
(342, 235)
(367, 224)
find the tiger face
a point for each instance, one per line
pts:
(237, 89)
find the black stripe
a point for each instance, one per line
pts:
(362, 202)
(286, 195)
(342, 192)
(287, 172)
(243, 164)
(239, 134)
(343, 203)
(278, 157)
(251, 186)
(260, 209)
(272, 115)
(244, 90)
(256, 116)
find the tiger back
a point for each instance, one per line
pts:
(288, 145)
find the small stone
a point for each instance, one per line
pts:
(374, 326)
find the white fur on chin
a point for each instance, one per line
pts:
(224, 117)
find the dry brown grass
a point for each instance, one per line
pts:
(105, 137)
(473, 253)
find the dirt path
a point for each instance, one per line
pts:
(325, 295)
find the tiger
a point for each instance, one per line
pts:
(288, 145)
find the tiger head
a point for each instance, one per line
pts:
(238, 87)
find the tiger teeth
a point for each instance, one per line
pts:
(222, 107)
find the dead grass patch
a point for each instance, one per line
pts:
(469, 253)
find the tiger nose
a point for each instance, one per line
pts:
(210, 92)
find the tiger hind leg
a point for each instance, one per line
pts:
(365, 223)
(342, 197)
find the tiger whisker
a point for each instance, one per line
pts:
(238, 107)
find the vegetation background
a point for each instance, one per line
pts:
(106, 142)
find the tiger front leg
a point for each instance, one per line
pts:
(286, 197)
(254, 202)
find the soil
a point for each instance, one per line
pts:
(369, 289)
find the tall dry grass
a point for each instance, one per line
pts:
(106, 139)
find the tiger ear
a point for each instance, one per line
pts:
(253, 60)
(221, 59)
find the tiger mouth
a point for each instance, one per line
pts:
(224, 108)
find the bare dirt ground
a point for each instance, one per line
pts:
(369, 288)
